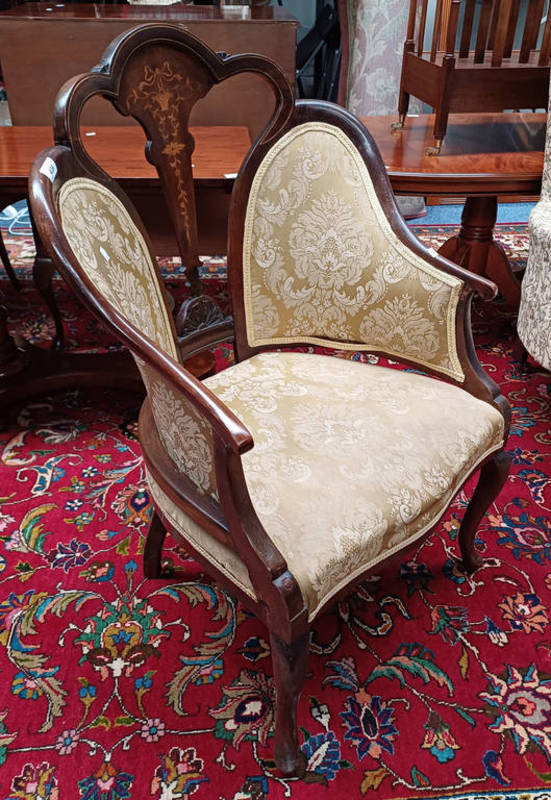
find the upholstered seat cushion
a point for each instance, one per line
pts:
(351, 461)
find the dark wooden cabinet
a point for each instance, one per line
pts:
(60, 41)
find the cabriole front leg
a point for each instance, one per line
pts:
(490, 482)
(289, 661)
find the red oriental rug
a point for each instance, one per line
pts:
(424, 683)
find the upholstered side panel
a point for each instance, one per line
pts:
(185, 434)
(114, 256)
(223, 557)
(322, 264)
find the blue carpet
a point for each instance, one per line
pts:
(15, 218)
(451, 214)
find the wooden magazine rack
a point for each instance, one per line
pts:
(471, 64)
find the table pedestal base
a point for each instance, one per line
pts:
(27, 371)
(474, 248)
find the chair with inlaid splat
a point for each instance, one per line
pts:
(156, 74)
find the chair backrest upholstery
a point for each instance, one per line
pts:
(114, 256)
(323, 265)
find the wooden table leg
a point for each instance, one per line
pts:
(43, 274)
(27, 371)
(474, 248)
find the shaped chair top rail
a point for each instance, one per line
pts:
(156, 73)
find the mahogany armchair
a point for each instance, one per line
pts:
(290, 475)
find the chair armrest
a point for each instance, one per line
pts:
(216, 414)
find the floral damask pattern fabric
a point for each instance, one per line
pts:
(114, 255)
(320, 421)
(322, 264)
(534, 316)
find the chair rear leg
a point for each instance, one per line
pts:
(289, 662)
(490, 482)
(152, 555)
(5, 259)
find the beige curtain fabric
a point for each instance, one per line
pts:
(534, 316)
(376, 34)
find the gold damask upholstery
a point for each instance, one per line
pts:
(289, 475)
(314, 419)
(321, 263)
(115, 257)
(351, 462)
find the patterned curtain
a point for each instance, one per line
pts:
(534, 314)
(379, 30)
(373, 34)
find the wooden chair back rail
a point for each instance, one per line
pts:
(467, 28)
(494, 29)
(545, 52)
(531, 31)
(453, 21)
(135, 71)
(502, 15)
(483, 30)
(422, 25)
(436, 29)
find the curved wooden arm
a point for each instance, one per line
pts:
(233, 521)
(483, 287)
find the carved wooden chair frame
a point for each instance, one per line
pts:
(233, 520)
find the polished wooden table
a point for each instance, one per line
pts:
(484, 157)
(44, 44)
(218, 154)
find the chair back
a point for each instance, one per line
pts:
(156, 73)
(95, 236)
(319, 254)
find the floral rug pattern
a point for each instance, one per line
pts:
(424, 683)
